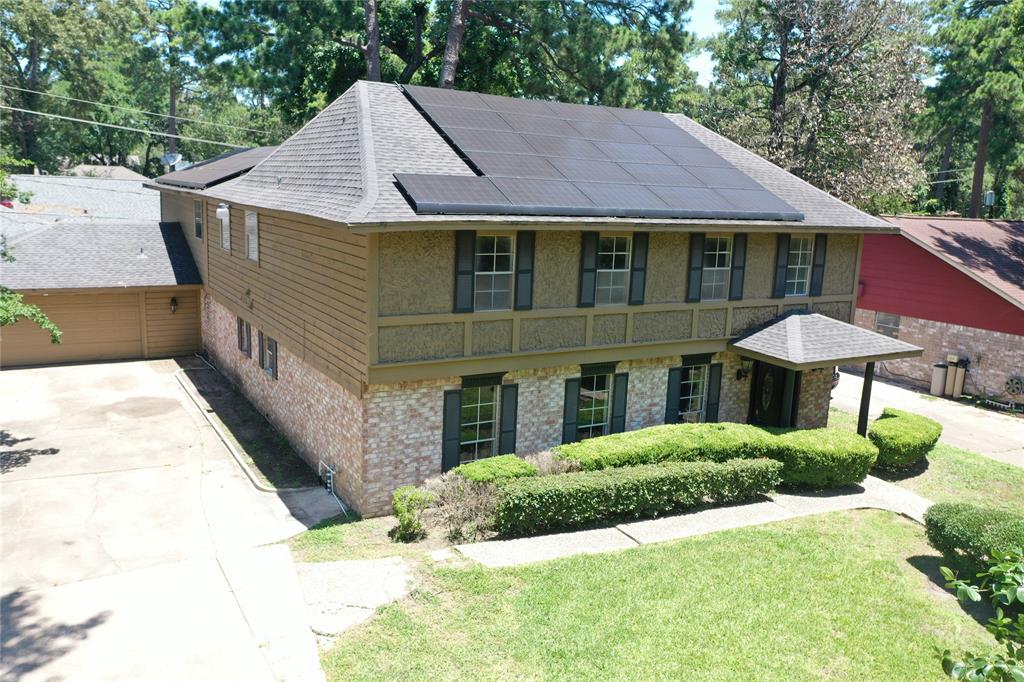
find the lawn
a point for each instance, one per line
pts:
(838, 596)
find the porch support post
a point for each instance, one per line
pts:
(865, 399)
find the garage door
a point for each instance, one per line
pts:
(95, 327)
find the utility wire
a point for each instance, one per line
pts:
(137, 111)
(119, 127)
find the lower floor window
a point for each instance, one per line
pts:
(595, 406)
(888, 324)
(244, 338)
(693, 393)
(268, 355)
(478, 423)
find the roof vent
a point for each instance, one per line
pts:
(142, 253)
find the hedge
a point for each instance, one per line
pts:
(565, 501)
(966, 534)
(903, 438)
(710, 442)
(493, 469)
(824, 458)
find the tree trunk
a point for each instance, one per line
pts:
(777, 106)
(977, 186)
(372, 41)
(456, 29)
(28, 132)
(172, 103)
(947, 153)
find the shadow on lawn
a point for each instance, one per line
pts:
(929, 566)
(16, 459)
(895, 475)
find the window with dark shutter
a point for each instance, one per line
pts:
(465, 261)
(262, 350)
(781, 265)
(524, 270)
(638, 269)
(451, 421)
(588, 269)
(818, 270)
(570, 411)
(244, 338)
(620, 391)
(509, 416)
(675, 378)
(739, 266)
(693, 285)
(270, 367)
(714, 392)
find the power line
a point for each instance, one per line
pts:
(137, 111)
(119, 127)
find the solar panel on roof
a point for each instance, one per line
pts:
(547, 193)
(470, 140)
(564, 147)
(639, 117)
(626, 152)
(673, 136)
(724, 177)
(623, 199)
(545, 125)
(591, 170)
(699, 199)
(582, 112)
(612, 132)
(515, 165)
(694, 156)
(480, 119)
(658, 174)
(436, 193)
(517, 106)
(452, 98)
(216, 170)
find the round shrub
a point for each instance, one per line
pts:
(966, 533)
(903, 438)
(491, 469)
(824, 458)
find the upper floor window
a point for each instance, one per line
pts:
(224, 215)
(478, 430)
(493, 272)
(197, 217)
(252, 236)
(798, 265)
(714, 284)
(613, 258)
(888, 324)
(693, 388)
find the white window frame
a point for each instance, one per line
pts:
(225, 231)
(476, 442)
(716, 277)
(693, 388)
(890, 326)
(481, 275)
(244, 337)
(612, 283)
(197, 219)
(799, 261)
(252, 236)
(593, 427)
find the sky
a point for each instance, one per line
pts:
(704, 24)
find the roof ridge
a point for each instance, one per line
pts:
(368, 166)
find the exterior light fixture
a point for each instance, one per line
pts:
(174, 305)
(222, 212)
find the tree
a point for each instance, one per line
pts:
(453, 45)
(827, 89)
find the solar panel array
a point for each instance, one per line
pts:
(216, 170)
(536, 157)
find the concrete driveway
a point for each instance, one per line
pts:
(989, 433)
(132, 544)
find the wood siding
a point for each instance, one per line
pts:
(178, 208)
(168, 334)
(308, 289)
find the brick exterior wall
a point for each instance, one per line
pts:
(815, 394)
(321, 420)
(994, 356)
(734, 404)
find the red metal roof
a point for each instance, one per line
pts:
(990, 251)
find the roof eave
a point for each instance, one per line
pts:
(828, 362)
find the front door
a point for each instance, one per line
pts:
(767, 393)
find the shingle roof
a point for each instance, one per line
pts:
(89, 256)
(802, 340)
(341, 167)
(990, 251)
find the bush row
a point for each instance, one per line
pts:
(903, 438)
(573, 500)
(966, 534)
(824, 458)
(493, 469)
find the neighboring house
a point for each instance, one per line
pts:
(421, 277)
(116, 291)
(954, 286)
(111, 172)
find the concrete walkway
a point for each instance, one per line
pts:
(989, 433)
(874, 493)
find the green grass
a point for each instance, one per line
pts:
(838, 596)
(349, 537)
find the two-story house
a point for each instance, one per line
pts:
(422, 277)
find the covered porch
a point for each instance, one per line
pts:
(787, 347)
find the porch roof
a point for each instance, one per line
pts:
(802, 340)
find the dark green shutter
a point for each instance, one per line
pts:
(675, 378)
(588, 269)
(262, 353)
(524, 270)
(450, 430)
(781, 262)
(638, 269)
(818, 269)
(620, 391)
(571, 410)
(696, 267)
(739, 266)
(465, 260)
(714, 392)
(509, 414)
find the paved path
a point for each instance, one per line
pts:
(989, 433)
(874, 493)
(132, 541)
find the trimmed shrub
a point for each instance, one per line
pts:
(824, 458)
(463, 508)
(548, 463)
(491, 469)
(714, 442)
(966, 534)
(409, 503)
(564, 501)
(903, 438)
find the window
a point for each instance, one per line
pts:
(478, 425)
(252, 236)
(197, 216)
(714, 284)
(693, 388)
(245, 338)
(493, 272)
(595, 406)
(224, 214)
(888, 324)
(268, 355)
(613, 270)
(798, 265)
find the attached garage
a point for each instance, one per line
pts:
(144, 302)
